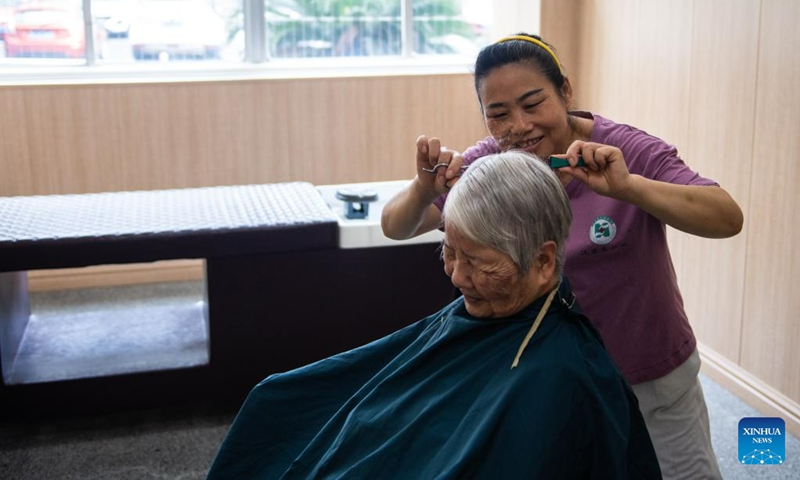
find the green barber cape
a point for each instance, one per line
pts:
(439, 400)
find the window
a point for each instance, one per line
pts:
(38, 30)
(322, 29)
(131, 32)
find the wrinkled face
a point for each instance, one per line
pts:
(488, 278)
(523, 110)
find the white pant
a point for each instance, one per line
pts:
(674, 410)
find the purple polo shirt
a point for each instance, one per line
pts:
(618, 260)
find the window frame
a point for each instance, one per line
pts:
(258, 65)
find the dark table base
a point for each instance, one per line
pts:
(267, 313)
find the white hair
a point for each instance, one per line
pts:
(513, 203)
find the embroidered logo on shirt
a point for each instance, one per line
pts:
(603, 230)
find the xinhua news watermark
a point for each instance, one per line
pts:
(762, 441)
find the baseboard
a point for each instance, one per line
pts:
(115, 275)
(764, 398)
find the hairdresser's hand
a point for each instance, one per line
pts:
(430, 153)
(605, 172)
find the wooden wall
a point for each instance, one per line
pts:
(92, 138)
(716, 78)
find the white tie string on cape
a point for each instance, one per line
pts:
(535, 326)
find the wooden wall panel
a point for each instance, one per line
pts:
(103, 276)
(266, 134)
(15, 170)
(92, 138)
(771, 330)
(607, 58)
(659, 87)
(720, 146)
(559, 27)
(639, 73)
(47, 122)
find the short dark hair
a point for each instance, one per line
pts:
(513, 50)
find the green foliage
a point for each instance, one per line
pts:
(317, 28)
(308, 28)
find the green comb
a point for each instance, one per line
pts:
(556, 162)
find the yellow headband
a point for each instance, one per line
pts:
(534, 41)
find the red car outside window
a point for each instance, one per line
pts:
(45, 30)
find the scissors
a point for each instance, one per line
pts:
(435, 167)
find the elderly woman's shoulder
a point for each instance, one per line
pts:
(570, 351)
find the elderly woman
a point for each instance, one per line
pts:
(509, 381)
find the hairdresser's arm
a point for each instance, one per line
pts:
(411, 211)
(706, 211)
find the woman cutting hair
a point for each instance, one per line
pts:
(509, 381)
(627, 187)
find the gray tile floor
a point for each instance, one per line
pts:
(181, 443)
(157, 444)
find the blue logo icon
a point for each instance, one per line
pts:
(762, 441)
